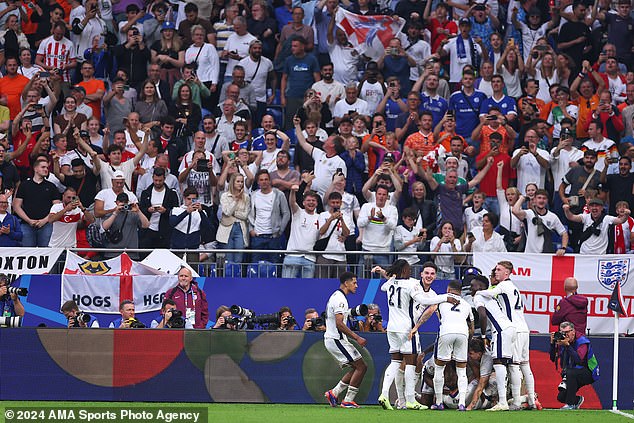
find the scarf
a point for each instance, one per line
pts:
(619, 237)
(462, 53)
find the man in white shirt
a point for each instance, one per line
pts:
(329, 90)
(462, 49)
(304, 233)
(327, 161)
(258, 70)
(596, 226)
(65, 217)
(378, 220)
(539, 224)
(237, 45)
(531, 162)
(351, 105)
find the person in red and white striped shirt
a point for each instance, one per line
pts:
(56, 53)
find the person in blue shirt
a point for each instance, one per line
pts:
(392, 103)
(300, 72)
(466, 104)
(396, 62)
(430, 100)
(506, 104)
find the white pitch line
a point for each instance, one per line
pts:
(619, 412)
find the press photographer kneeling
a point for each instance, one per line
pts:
(76, 318)
(579, 367)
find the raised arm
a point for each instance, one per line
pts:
(517, 208)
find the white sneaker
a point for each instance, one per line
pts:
(499, 407)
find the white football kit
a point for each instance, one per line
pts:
(336, 342)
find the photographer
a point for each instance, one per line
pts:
(223, 314)
(127, 319)
(312, 321)
(10, 303)
(77, 319)
(579, 366)
(171, 317)
(122, 225)
(287, 321)
(373, 321)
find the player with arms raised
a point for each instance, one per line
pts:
(338, 345)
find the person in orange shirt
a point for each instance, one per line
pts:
(445, 132)
(376, 138)
(95, 88)
(422, 142)
(11, 87)
(584, 95)
(531, 88)
(493, 122)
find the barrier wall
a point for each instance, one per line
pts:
(222, 366)
(261, 295)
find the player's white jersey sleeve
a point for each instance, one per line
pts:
(337, 304)
(510, 300)
(400, 304)
(453, 317)
(496, 318)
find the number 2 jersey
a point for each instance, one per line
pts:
(403, 298)
(337, 304)
(453, 317)
(497, 320)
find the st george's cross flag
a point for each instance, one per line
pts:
(369, 35)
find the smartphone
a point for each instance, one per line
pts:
(201, 166)
(232, 156)
(511, 42)
(126, 88)
(338, 171)
(84, 134)
(38, 106)
(45, 74)
(491, 117)
(393, 84)
(351, 111)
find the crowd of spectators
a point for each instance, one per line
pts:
(483, 126)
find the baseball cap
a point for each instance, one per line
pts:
(464, 21)
(118, 175)
(78, 88)
(469, 274)
(565, 133)
(168, 25)
(596, 201)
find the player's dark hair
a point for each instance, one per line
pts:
(454, 286)
(346, 276)
(398, 268)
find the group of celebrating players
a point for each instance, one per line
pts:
(501, 348)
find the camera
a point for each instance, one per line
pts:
(288, 321)
(126, 207)
(242, 312)
(230, 320)
(135, 323)
(201, 166)
(11, 322)
(135, 32)
(377, 318)
(22, 292)
(360, 310)
(558, 336)
(316, 322)
(176, 321)
(38, 106)
(45, 74)
(81, 317)
(84, 134)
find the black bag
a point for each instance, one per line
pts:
(116, 235)
(95, 236)
(321, 244)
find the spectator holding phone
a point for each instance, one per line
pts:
(66, 217)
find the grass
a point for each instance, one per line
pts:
(320, 413)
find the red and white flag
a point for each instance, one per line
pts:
(369, 35)
(540, 278)
(100, 286)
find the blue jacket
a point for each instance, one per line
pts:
(14, 237)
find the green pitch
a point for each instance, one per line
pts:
(258, 413)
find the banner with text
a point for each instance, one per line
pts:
(540, 278)
(100, 286)
(33, 261)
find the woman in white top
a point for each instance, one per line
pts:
(235, 204)
(510, 226)
(511, 67)
(543, 69)
(484, 238)
(206, 56)
(445, 242)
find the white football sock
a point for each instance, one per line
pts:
(516, 383)
(439, 383)
(400, 385)
(389, 376)
(352, 392)
(410, 381)
(463, 382)
(500, 378)
(529, 381)
(337, 390)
